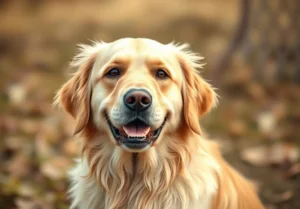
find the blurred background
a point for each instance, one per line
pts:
(252, 53)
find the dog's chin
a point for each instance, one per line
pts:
(135, 136)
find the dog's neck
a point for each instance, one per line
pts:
(123, 175)
(134, 161)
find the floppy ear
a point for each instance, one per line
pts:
(74, 95)
(198, 95)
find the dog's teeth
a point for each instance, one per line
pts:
(136, 136)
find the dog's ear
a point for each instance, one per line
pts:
(198, 95)
(74, 96)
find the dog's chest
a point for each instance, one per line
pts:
(86, 194)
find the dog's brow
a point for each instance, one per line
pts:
(120, 60)
(155, 61)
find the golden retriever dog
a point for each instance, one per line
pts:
(137, 105)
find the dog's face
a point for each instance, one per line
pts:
(136, 91)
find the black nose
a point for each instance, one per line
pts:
(137, 99)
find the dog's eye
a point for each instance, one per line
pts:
(114, 72)
(161, 74)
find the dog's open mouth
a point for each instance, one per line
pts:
(136, 134)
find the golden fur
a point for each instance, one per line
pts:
(182, 170)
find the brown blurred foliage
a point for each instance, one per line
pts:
(256, 124)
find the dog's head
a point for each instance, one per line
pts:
(136, 90)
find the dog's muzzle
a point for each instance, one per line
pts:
(136, 134)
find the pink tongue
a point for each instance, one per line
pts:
(136, 131)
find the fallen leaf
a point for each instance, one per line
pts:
(256, 90)
(237, 128)
(293, 171)
(266, 122)
(30, 126)
(281, 152)
(256, 156)
(279, 110)
(56, 167)
(17, 94)
(14, 142)
(276, 154)
(26, 190)
(23, 203)
(277, 198)
(43, 148)
(8, 124)
(19, 166)
(226, 145)
(34, 108)
(51, 129)
(71, 147)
